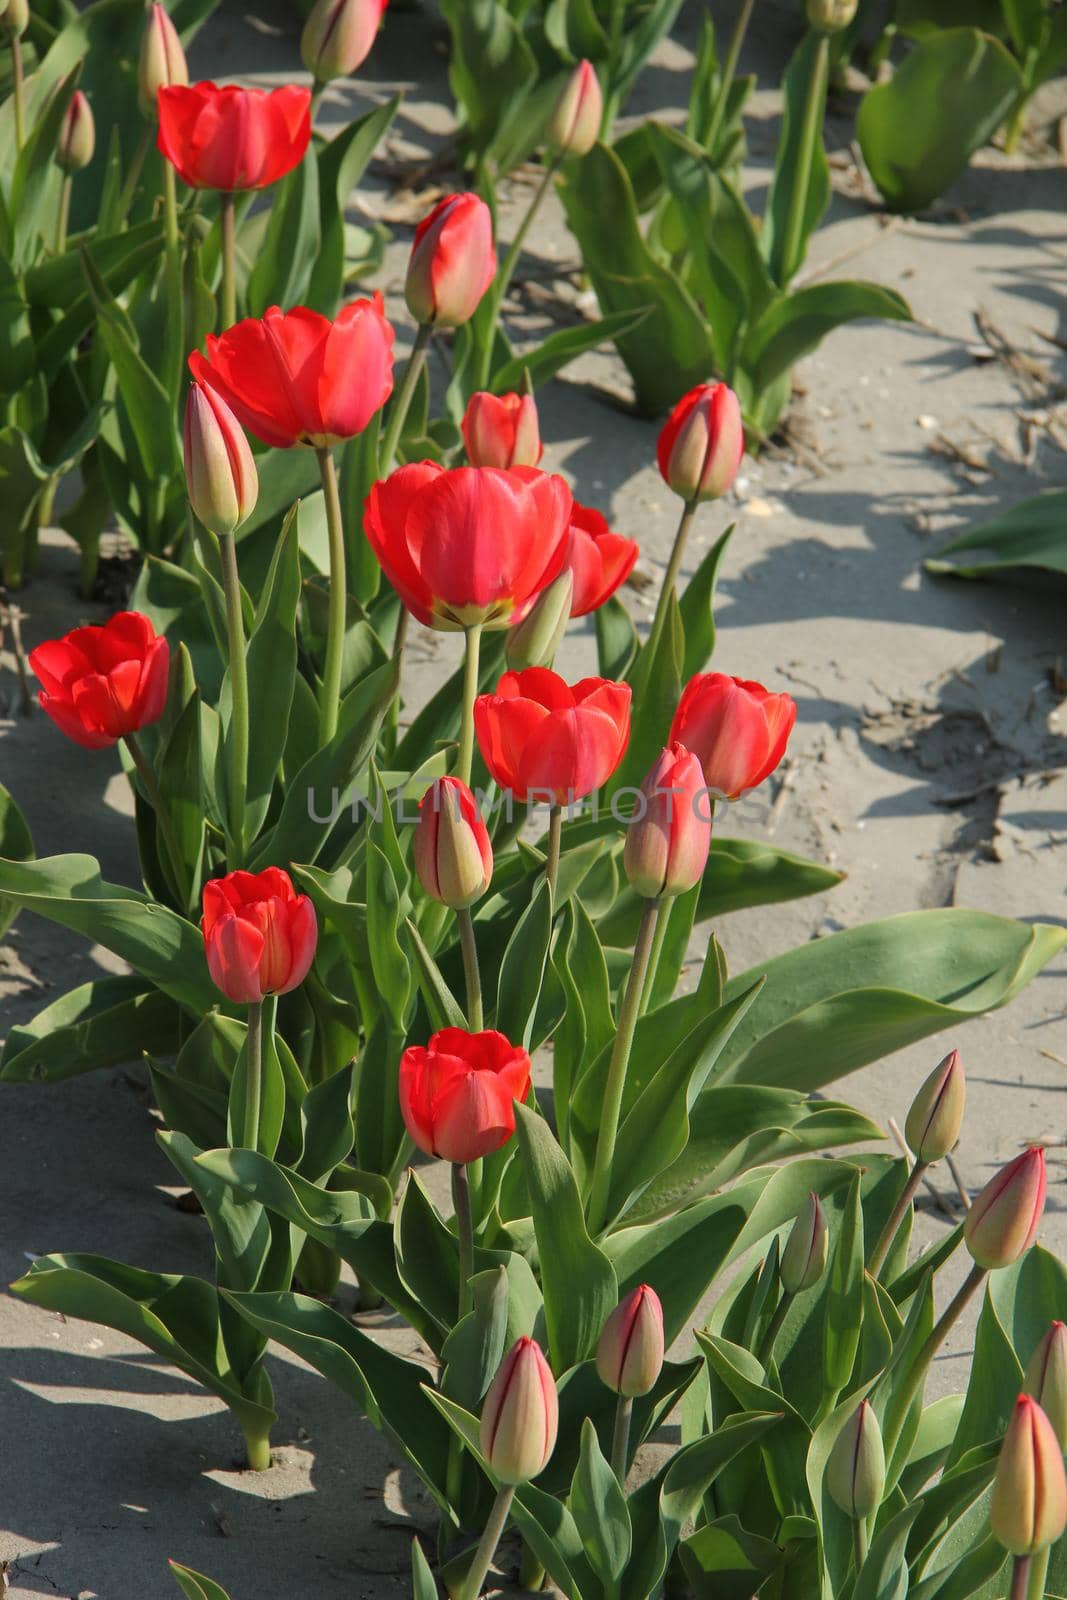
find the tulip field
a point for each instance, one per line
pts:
(533, 800)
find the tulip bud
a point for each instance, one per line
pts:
(830, 16)
(220, 472)
(855, 1472)
(452, 262)
(933, 1124)
(668, 840)
(804, 1257)
(77, 137)
(702, 442)
(1028, 1510)
(15, 17)
(502, 431)
(533, 642)
(453, 856)
(162, 61)
(338, 36)
(574, 126)
(1046, 1379)
(1003, 1221)
(520, 1416)
(629, 1356)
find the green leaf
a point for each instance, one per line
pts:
(885, 1573)
(326, 1119)
(271, 666)
(785, 1451)
(523, 967)
(798, 172)
(148, 405)
(475, 1348)
(598, 1507)
(578, 1280)
(194, 1585)
(492, 71)
(566, 345)
(389, 961)
(98, 1024)
(423, 1584)
(442, 1007)
(723, 1561)
(696, 608)
(616, 638)
(797, 323)
(179, 768)
(35, 180)
(286, 258)
(844, 1297)
(1032, 534)
(16, 844)
(947, 97)
(341, 165)
(656, 681)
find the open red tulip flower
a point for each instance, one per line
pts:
(224, 137)
(259, 934)
(458, 1093)
(738, 729)
(474, 545)
(101, 683)
(547, 740)
(295, 377)
(601, 561)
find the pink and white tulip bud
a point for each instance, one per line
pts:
(668, 840)
(1002, 1223)
(15, 18)
(162, 61)
(338, 36)
(701, 443)
(520, 1415)
(452, 262)
(830, 16)
(855, 1471)
(629, 1356)
(453, 856)
(220, 471)
(533, 642)
(1028, 1510)
(1046, 1379)
(574, 126)
(804, 1257)
(77, 137)
(501, 430)
(936, 1114)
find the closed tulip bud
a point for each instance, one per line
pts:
(668, 840)
(574, 126)
(220, 472)
(338, 36)
(259, 934)
(533, 642)
(830, 16)
(77, 137)
(15, 17)
(855, 1472)
(1028, 1510)
(162, 61)
(933, 1124)
(453, 856)
(629, 1356)
(701, 443)
(452, 262)
(804, 1257)
(502, 431)
(520, 1416)
(1046, 1379)
(1003, 1221)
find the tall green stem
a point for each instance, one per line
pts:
(729, 72)
(163, 818)
(133, 174)
(505, 271)
(611, 1106)
(941, 1329)
(229, 260)
(63, 213)
(19, 85)
(471, 971)
(1039, 1575)
(461, 1200)
(1020, 1577)
(814, 109)
(889, 1232)
(235, 631)
(402, 401)
(773, 1328)
(662, 925)
(555, 846)
(670, 577)
(253, 1077)
(257, 1446)
(338, 607)
(175, 347)
(483, 1556)
(859, 1542)
(620, 1439)
(471, 660)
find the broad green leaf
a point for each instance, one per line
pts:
(442, 1007)
(598, 1507)
(16, 844)
(285, 260)
(423, 1583)
(696, 609)
(271, 667)
(522, 969)
(98, 1024)
(475, 1348)
(194, 1585)
(801, 173)
(389, 962)
(844, 1296)
(148, 406)
(492, 71)
(798, 322)
(562, 347)
(723, 1561)
(885, 1573)
(1032, 534)
(785, 1450)
(341, 165)
(616, 638)
(326, 1119)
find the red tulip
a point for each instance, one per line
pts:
(702, 442)
(667, 842)
(540, 737)
(295, 377)
(600, 560)
(1003, 1221)
(471, 545)
(77, 136)
(502, 431)
(338, 36)
(453, 856)
(452, 261)
(520, 1414)
(220, 472)
(458, 1093)
(737, 728)
(574, 125)
(99, 684)
(259, 934)
(162, 59)
(230, 138)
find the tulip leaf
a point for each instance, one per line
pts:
(723, 1561)
(554, 353)
(98, 1024)
(600, 1514)
(786, 1449)
(946, 98)
(341, 165)
(423, 1583)
(285, 259)
(656, 680)
(16, 844)
(801, 171)
(34, 177)
(389, 962)
(1032, 534)
(695, 606)
(522, 969)
(795, 324)
(835, 1004)
(326, 1120)
(495, 80)
(577, 1278)
(885, 1572)
(616, 638)
(271, 667)
(971, 1575)
(442, 1007)
(272, 1088)
(194, 1585)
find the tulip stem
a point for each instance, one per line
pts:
(940, 1331)
(662, 925)
(620, 1439)
(774, 1328)
(889, 1232)
(63, 213)
(239, 696)
(162, 815)
(670, 577)
(338, 612)
(504, 273)
(461, 1200)
(253, 1077)
(814, 107)
(611, 1106)
(175, 348)
(555, 845)
(729, 70)
(229, 259)
(1039, 1574)
(483, 1556)
(471, 661)
(129, 187)
(398, 413)
(469, 947)
(1020, 1577)
(859, 1542)
(19, 86)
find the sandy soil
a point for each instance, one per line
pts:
(928, 764)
